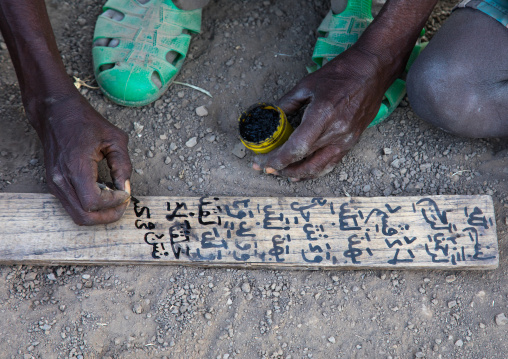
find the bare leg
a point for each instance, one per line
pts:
(460, 81)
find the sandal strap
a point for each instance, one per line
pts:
(325, 49)
(150, 58)
(344, 23)
(396, 92)
(103, 55)
(190, 20)
(168, 13)
(358, 8)
(109, 28)
(339, 32)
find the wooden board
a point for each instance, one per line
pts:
(438, 232)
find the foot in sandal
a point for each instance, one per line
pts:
(140, 45)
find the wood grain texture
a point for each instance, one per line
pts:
(435, 232)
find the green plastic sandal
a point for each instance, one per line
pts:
(338, 32)
(136, 71)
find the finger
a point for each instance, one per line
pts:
(290, 103)
(318, 164)
(91, 197)
(63, 191)
(104, 216)
(294, 100)
(300, 144)
(119, 162)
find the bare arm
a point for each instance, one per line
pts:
(343, 97)
(74, 136)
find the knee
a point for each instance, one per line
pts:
(440, 94)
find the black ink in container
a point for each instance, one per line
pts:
(264, 127)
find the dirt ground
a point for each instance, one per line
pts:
(249, 51)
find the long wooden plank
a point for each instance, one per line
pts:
(438, 232)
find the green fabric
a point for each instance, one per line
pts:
(338, 32)
(146, 34)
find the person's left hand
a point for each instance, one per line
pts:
(342, 98)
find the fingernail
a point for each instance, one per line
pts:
(102, 186)
(256, 167)
(270, 171)
(294, 179)
(127, 186)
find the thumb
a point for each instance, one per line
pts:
(294, 100)
(120, 165)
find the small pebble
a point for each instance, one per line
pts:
(395, 163)
(459, 343)
(331, 340)
(137, 308)
(239, 150)
(450, 279)
(192, 142)
(246, 287)
(138, 127)
(201, 111)
(501, 319)
(376, 172)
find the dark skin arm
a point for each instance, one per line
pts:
(344, 96)
(75, 137)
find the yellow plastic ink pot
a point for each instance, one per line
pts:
(264, 127)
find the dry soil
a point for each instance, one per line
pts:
(249, 51)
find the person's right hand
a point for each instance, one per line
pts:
(341, 99)
(75, 138)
